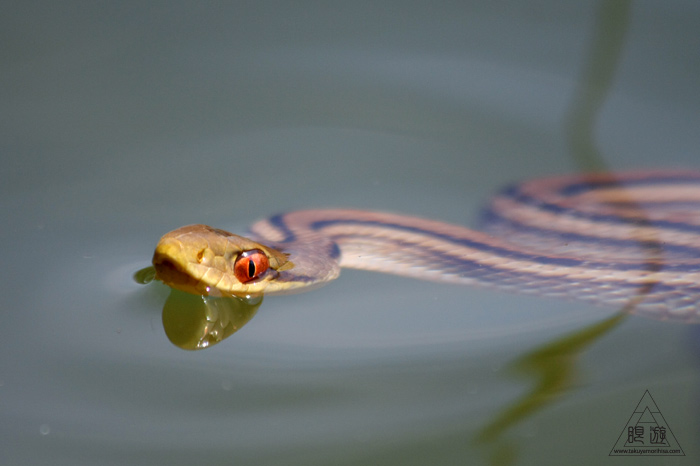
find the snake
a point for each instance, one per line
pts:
(607, 238)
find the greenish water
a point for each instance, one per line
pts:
(123, 121)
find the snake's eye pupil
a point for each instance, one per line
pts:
(250, 265)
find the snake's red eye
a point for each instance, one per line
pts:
(250, 265)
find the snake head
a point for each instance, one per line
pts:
(208, 261)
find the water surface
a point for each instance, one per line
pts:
(124, 121)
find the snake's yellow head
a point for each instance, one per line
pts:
(203, 260)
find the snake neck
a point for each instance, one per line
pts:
(316, 257)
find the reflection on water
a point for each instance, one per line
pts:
(194, 322)
(553, 366)
(596, 82)
(198, 322)
(145, 275)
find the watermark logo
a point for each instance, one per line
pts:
(647, 433)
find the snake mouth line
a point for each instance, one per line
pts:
(170, 273)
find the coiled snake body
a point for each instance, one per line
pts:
(607, 238)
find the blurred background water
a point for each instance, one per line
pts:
(124, 120)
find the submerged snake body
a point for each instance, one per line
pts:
(608, 239)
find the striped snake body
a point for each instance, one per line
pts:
(611, 239)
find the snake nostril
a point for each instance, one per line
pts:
(165, 264)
